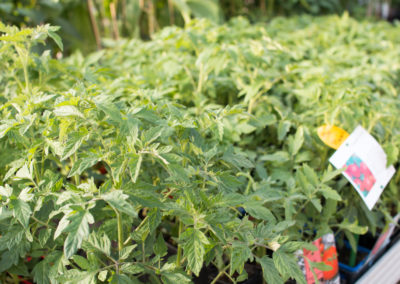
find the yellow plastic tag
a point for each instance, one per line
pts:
(332, 136)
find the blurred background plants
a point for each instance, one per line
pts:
(84, 23)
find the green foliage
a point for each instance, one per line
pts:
(85, 24)
(129, 165)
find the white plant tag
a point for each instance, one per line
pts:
(365, 163)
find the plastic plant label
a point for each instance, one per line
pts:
(332, 136)
(364, 162)
(325, 253)
(383, 240)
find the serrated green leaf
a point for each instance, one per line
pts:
(174, 278)
(73, 143)
(152, 134)
(317, 204)
(67, 110)
(296, 143)
(81, 262)
(8, 259)
(154, 219)
(112, 111)
(257, 210)
(282, 226)
(329, 193)
(283, 129)
(74, 276)
(4, 128)
(353, 227)
(294, 246)
(270, 273)
(134, 166)
(44, 236)
(237, 160)
(193, 249)
(392, 153)
(6, 190)
(120, 279)
(229, 182)
(178, 173)
(352, 240)
(286, 265)
(78, 230)
(279, 156)
(310, 175)
(82, 164)
(329, 175)
(41, 273)
(126, 251)
(118, 200)
(99, 243)
(26, 172)
(102, 276)
(319, 265)
(56, 38)
(21, 211)
(132, 268)
(240, 253)
(62, 224)
(160, 248)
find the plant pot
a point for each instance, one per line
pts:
(351, 273)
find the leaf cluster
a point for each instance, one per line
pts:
(134, 164)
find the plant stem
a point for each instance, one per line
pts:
(76, 177)
(14, 277)
(143, 252)
(171, 13)
(263, 7)
(37, 175)
(199, 97)
(24, 61)
(155, 278)
(200, 83)
(40, 222)
(94, 24)
(42, 165)
(119, 228)
(353, 254)
(271, 7)
(222, 272)
(230, 277)
(123, 10)
(249, 184)
(151, 16)
(253, 101)
(113, 13)
(179, 253)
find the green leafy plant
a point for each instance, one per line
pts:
(127, 185)
(85, 24)
(133, 164)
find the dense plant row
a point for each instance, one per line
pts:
(331, 70)
(133, 164)
(85, 23)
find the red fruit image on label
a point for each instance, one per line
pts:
(353, 170)
(313, 256)
(330, 258)
(361, 175)
(325, 253)
(364, 168)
